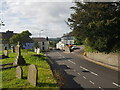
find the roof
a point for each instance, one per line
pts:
(39, 39)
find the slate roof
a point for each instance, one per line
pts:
(39, 39)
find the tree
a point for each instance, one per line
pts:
(22, 38)
(98, 24)
(36, 45)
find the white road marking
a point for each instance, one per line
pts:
(92, 82)
(71, 61)
(78, 73)
(94, 73)
(83, 68)
(84, 77)
(89, 70)
(68, 66)
(101, 88)
(116, 84)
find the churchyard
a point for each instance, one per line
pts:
(34, 73)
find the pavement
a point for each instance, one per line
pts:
(80, 53)
(81, 73)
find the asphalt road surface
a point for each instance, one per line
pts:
(84, 73)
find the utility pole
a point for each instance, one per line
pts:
(1, 23)
(40, 33)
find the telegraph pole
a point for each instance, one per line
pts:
(1, 23)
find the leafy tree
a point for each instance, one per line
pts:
(98, 24)
(22, 37)
(36, 45)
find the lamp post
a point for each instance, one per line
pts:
(1, 23)
(41, 32)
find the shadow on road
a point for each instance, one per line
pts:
(64, 80)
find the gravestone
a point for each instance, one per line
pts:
(12, 49)
(19, 60)
(19, 72)
(32, 74)
(5, 52)
(35, 49)
(38, 50)
(67, 49)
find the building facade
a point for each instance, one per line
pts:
(43, 43)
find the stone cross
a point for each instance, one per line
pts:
(19, 72)
(19, 52)
(19, 60)
(32, 74)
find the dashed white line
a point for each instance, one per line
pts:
(116, 84)
(89, 70)
(101, 88)
(68, 66)
(78, 73)
(94, 73)
(71, 61)
(92, 82)
(84, 77)
(83, 68)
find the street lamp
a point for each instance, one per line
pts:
(1, 23)
(41, 32)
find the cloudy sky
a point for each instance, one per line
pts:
(36, 15)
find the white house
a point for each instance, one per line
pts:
(42, 42)
(65, 40)
(68, 40)
(60, 45)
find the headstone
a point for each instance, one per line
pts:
(35, 49)
(32, 75)
(67, 49)
(12, 49)
(19, 72)
(19, 60)
(6, 53)
(38, 50)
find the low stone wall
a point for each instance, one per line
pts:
(111, 59)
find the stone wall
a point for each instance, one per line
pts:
(111, 59)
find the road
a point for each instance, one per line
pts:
(84, 73)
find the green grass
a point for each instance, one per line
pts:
(45, 76)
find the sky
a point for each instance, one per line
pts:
(41, 17)
(45, 18)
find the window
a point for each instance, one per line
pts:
(43, 43)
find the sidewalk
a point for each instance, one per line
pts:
(80, 53)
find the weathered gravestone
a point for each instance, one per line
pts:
(19, 72)
(35, 49)
(38, 50)
(67, 49)
(32, 75)
(19, 60)
(12, 49)
(5, 52)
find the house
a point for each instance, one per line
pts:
(60, 45)
(42, 42)
(4, 40)
(29, 45)
(67, 39)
